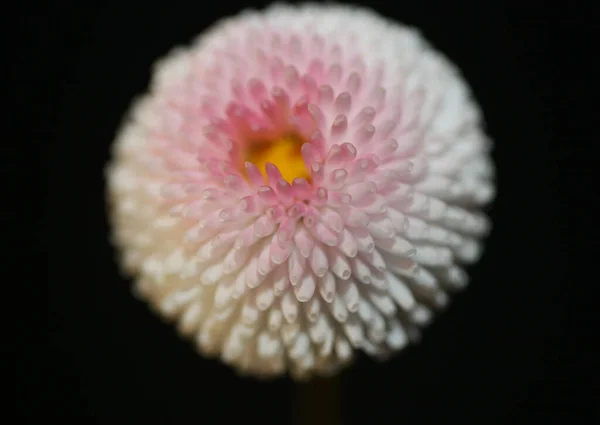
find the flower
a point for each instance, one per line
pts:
(301, 183)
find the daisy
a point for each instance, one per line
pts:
(298, 184)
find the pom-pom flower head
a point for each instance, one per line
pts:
(301, 183)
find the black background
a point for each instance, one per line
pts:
(511, 348)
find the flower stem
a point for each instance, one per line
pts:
(318, 402)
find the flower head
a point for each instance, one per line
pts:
(301, 183)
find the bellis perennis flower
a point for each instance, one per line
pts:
(298, 184)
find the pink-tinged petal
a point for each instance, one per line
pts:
(257, 90)
(326, 95)
(296, 267)
(317, 114)
(249, 204)
(304, 242)
(298, 210)
(320, 197)
(284, 192)
(301, 189)
(280, 253)
(310, 154)
(286, 231)
(317, 173)
(365, 116)
(254, 175)
(273, 174)
(332, 219)
(264, 226)
(323, 233)
(339, 127)
(267, 196)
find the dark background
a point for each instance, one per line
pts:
(513, 348)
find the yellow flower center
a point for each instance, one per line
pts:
(283, 152)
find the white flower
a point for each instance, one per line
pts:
(301, 183)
